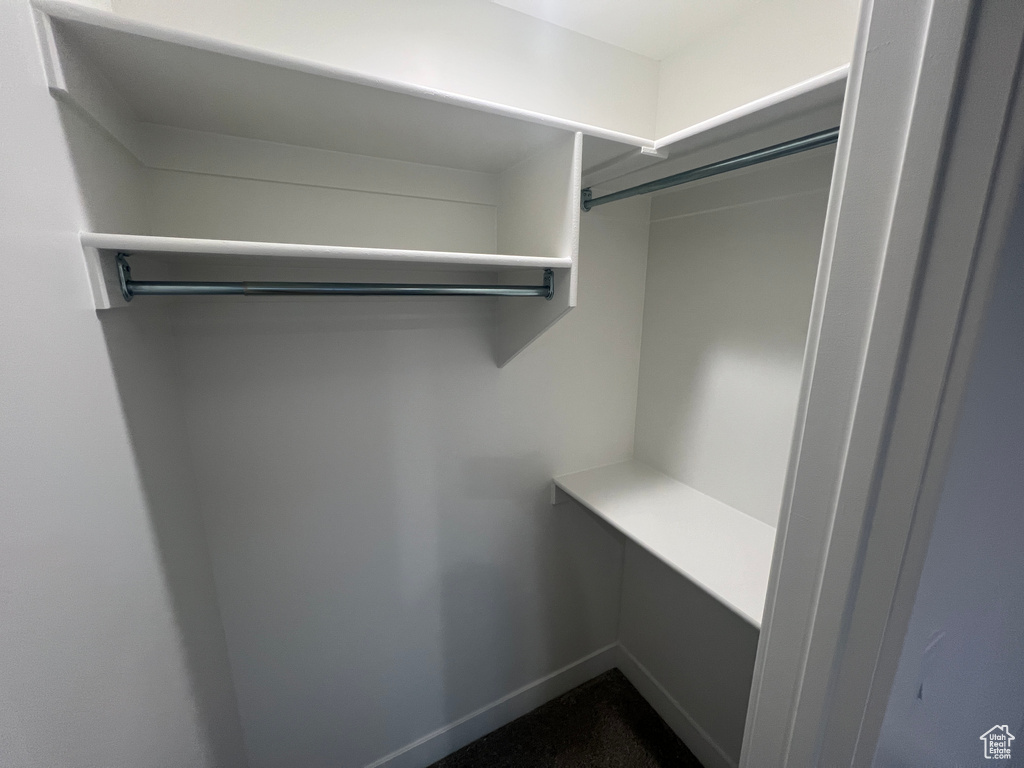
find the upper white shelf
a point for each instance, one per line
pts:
(722, 550)
(167, 77)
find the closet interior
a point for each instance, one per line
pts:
(423, 515)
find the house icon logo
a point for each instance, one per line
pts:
(997, 742)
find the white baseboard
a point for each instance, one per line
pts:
(686, 728)
(446, 740)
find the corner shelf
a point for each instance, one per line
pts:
(812, 105)
(720, 549)
(153, 75)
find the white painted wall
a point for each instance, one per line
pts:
(112, 647)
(138, 346)
(769, 47)
(653, 28)
(375, 492)
(699, 651)
(962, 663)
(470, 47)
(729, 283)
(221, 207)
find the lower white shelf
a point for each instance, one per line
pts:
(722, 550)
(283, 253)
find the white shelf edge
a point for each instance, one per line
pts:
(200, 246)
(804, 97)
(67, 10)
(778, 98)
(747, 608)
(70, 11)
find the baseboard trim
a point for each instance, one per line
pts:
(446, 740)
(710, 754)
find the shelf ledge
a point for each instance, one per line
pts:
(146, 72)
(192, 246)
(725, 552)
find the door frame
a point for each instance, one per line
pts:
(927, 171)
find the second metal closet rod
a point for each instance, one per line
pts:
(786, 148)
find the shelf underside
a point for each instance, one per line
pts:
(170, 78)
(722, 550)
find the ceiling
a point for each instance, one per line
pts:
(652, 28)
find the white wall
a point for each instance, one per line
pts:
(697, 649)
(470, 47)
(112, 649)
(771, 46)
(730, 276)
(201, 205)
(962, 663)
(138, 346)
(729, 283)
(375, 492)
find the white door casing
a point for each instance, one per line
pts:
(925, 175)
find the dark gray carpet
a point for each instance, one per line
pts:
(604, 723)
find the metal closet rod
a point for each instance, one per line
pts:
(131, 288)
(786, 148)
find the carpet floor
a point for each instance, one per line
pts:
(604, 723)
